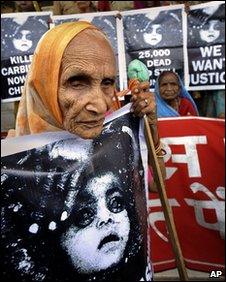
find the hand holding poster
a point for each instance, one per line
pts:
(77, 208)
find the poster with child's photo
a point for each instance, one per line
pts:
(154, 36)
(75, 209)
(206, 46)
(20, 34)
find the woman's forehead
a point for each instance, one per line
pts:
(169, 76)
(86, 47)
(89, 39)
(82, 58)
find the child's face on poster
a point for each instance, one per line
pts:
(155, 36)
(210, 32)
(99, 234)
(22, 40)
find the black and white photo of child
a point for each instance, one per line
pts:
(99, 213)
(29, 219)
(20, 34)
(157, 29)
(76, 216)
(206, 26)
(205, 41)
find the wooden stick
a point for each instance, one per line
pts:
(36, 6)
(165, 204)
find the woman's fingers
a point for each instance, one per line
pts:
(139, 88)
(122, 93)
(144, 104)
(142, 101)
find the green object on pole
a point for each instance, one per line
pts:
(137, 69)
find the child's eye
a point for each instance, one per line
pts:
(115, 202)
(84, 217)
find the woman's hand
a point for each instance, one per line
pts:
(143, 102)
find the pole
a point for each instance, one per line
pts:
(36, 6)
(165, 204)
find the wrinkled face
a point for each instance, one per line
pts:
(155, 36)
(22, 41)
(210, 32)
(87, 83)
(98, 236)
(169, 86)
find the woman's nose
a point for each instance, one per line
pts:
(168, 87)
(97, 102)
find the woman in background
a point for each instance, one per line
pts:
(172, 97)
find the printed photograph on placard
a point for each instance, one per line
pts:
(20, 33)
(77, 209)
(206, 45)
(154, 36)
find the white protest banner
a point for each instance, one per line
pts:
(163, 38)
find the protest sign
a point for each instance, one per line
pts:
(154, 36)
(206, 46)
(53, 165)
(195, 187)
(76, 209)
(20, 33)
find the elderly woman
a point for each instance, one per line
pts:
(66, 74)
(71, 86)
(172, 98)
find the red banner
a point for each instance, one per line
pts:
(196, 191)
